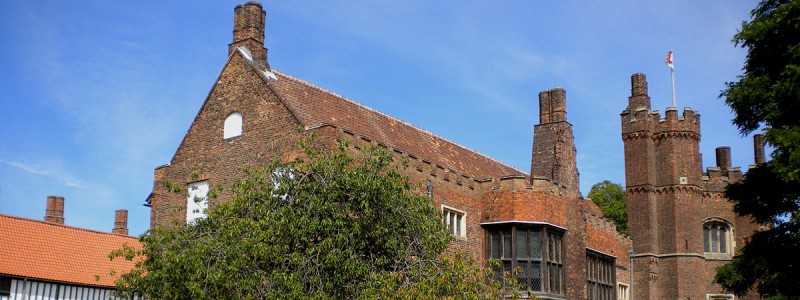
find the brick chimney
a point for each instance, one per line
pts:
(120, 222)
(639, 97)
(248, 31)
(54, 212)
(758, 149)
(553, 153)
(552, 106)
(724, 157)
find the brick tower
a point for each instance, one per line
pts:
(665, 191)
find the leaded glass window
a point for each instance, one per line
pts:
(531, 254)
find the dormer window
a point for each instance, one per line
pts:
(233, 126)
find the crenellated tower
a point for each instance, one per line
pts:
(664, 185)
(553, 154)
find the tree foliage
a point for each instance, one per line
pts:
(611, 199)
(331, 225)
(767, 96)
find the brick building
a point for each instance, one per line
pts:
(537, 222)
(682, 227)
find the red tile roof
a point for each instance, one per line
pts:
(52, 252)
(314, 106)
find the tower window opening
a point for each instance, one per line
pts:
(717, 239)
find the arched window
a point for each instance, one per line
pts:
(717, 238)
(233, 126)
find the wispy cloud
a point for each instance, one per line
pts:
(63, 177)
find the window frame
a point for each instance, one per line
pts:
(448, 215)
(718, 233)
(551, 258)
(600, 274)
(623, 291)
(197, 209)
(233, 127)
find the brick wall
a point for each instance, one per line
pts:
(269, 132)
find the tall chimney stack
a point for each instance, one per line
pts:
(639, 97)
(758, 149)
(54, 212)
(121, 222)
(248, 31)
(552, 106)
(724, 157)
(553, 151)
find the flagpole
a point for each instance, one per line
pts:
(672, 73)
(671, 66)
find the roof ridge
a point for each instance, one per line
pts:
(393, 118)
(68, 226)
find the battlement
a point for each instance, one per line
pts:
(716, 175)
(424, 169)
(643, 119)
(599, 222)
(720, 175)
(519, 182)
(638, 116)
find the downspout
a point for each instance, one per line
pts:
(630, 270)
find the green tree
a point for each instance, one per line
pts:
(331, 225)
(611, 199)
(767, 96)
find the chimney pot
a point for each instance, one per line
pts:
(121, 222)
(724, 157)
(54, 212)
(552, 106)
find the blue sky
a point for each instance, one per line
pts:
(96, 94)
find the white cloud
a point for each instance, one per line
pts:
(59, 175)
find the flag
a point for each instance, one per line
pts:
(669, 60)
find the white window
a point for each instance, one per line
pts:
(717, 238)
(623, 292)
(233, 126)
(719, 297)
(197, 202)
(455, 221)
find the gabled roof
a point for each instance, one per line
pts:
(315, 106)
(52, 252)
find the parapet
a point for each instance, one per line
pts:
(671, 125)
(599, 222)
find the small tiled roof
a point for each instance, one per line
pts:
(315, 106)
(52, 252)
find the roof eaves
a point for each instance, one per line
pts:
(362, 106)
